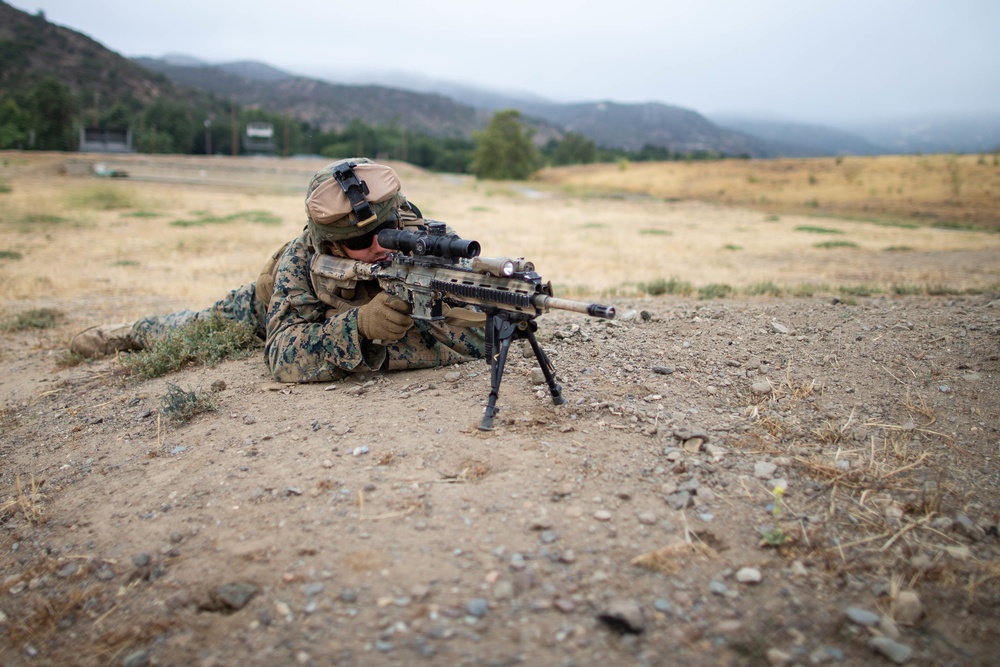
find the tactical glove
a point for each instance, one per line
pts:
(384, 318)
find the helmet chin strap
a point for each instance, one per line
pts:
(355, 190)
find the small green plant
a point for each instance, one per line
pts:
(765, 288)
(37, 318)
(732, 246)
(207, 341)
(181, 406)
(260, 217)
(835, 244)
(774, 536)
(715, 291)
(859, 290)
(126, 262)
(141, 214)
(661, 286)
(656, 232)
(10, 254)
(817, 230)
(592, 225)
(103, 198)
(907, 289)
(481, 209)
(772, 218)
(4, 186)
(42, 219)
(898, 248)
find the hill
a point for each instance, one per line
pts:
(327, 105)
(32, 49)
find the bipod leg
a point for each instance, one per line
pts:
(547, 370)
(499, 333)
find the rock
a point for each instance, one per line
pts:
(136, 659)
(504, 590)
(761, 387)
(778, 658)
(663, 370)
(233, 596)
(477, 607)
(452, 376)
(907, 608)
(893, 650)
(764, 469)
(348, 596)
(693, 445)
(646, 518)
(679, 500)
(602, 515)
(749, 575)
(965, 526)
(778, 328)
(717, 587)
(862, 616)
(623, 616)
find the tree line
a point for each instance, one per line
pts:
(47, 116)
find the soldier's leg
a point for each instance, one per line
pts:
(239, 305)
(432, 344)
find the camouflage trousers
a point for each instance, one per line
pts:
(426, 345)
(240, 305)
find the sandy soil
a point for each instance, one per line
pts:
(369, 522)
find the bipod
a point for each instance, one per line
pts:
(500, 331)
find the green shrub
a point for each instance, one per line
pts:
(836, 244)
(181, 406)
(10, 254)
(766, 288)
(37, 318)
(817, 230)
(207, 341)
(103, 198)
(715, 291)
(656, 232)
(260, 217)
(661, 286)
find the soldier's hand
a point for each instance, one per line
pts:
(385, 317)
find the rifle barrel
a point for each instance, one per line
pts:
(544, 302)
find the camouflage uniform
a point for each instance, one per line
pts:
(313, 335)
(312, 341)
(307, 340)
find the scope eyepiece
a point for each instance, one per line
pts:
(446, 246)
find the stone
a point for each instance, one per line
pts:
(862, 616)
(891, 649)
(907, 608)
(764, 469)
(623, 616)
(749, 575)
(761, 387)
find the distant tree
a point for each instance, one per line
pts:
(14, 124)
(54, 110)
(504, 149)
(573, 148)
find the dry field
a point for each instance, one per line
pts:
(183, 245)
(367, 522)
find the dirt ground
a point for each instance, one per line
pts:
(369, 522)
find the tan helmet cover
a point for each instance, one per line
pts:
(331, 215)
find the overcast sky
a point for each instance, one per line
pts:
(838, 60)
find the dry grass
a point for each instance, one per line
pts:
(949, 190)
(111, 245)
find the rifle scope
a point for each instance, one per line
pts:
(432, 242)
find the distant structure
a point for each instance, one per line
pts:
(106, 140)
(259, 139)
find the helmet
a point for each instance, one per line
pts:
(349, 198)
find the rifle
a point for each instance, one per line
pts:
(430, 268)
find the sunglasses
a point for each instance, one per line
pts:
(366, 239)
